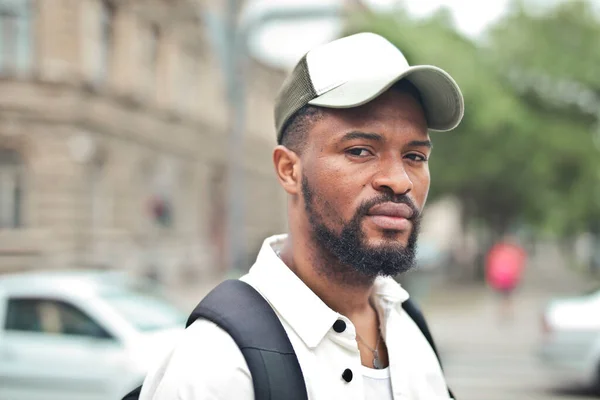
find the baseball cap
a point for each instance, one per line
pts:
(356, 69)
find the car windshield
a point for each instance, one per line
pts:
(145, 311)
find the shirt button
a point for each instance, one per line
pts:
(339, 326)
(347, 375)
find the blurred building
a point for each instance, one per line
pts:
(113, 128)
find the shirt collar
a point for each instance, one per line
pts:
(295, 302)
(387, 289)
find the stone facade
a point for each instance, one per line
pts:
(113, 140)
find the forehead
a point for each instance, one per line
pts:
(395, 115)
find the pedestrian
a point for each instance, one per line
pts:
(505, 263)
(352, 122)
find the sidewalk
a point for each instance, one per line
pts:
(469, 321)
(484, 357)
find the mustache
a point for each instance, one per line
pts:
(364, 208)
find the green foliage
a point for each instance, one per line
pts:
(561, 42)
(517, 157)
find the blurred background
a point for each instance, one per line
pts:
(136, 174)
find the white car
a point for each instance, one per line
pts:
(80, 335)
(571, 343)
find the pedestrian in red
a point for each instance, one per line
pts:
(504, 269)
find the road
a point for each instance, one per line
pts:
(486, 359)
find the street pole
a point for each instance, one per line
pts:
(231, 41)
(236, 248)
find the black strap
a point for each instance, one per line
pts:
(134, 394)
(416, 315)
(413, 311)
(249, 319)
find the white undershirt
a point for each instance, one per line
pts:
(378, 385)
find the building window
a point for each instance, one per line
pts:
(101, 200)
(107, 18)
(188, 78)
(153, 46)
(15, 36)
(151, 57)
(11, 189)
(97, 48)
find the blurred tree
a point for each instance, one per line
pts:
(553, 58)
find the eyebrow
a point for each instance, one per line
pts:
(421, 143)
(377, 137)
(362, 135)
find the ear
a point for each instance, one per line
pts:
(287, 166)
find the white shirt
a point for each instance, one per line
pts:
(207, 364)
(378, 384)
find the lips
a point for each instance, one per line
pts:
(393, 210)
(391, 216)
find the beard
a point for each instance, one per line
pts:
(346, 255)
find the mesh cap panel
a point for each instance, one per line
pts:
(297, 90)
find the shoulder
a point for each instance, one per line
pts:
(204, 364)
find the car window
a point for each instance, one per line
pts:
(75, 322)
(52, 317)
(22, 315)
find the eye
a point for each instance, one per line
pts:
(416, 157)
(359, 152)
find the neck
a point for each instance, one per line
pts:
(343, 289)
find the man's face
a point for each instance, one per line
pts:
(365, 181)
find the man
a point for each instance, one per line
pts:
(352, 125)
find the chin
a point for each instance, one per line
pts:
(386, 243)
(387, 239)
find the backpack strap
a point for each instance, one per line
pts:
(249, 319)
(134, 394)
(416, 315)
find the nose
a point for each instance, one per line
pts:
(393, 177)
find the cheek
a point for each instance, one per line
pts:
(421, 182)
(338, 192)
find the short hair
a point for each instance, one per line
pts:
(295, 130)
